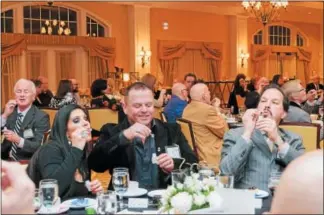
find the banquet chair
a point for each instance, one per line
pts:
(186, 129)
(102, 116)
(51, 112)
(321, 144)
(163, 118)
(240, 101)
(156, 113)
(309, 132)
(103, 177)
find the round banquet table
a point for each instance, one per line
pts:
(266, 204)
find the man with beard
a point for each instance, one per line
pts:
(75, 90)
(251, 153)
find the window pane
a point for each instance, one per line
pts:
(73, 28)
(101, 31)
(54, 13)
(288, 32)
(27, 26)
(36, 27)
(9, 13)
(93, 21)
(301, 42)
(27, 12)
(88, 29)
(288, 42)
(72, 15)
(9, 25)
(63, 14)
(45, 13)
(280, 41)
(280, 30)
(88, 19)
(35, 12)
(271, 30)
(2, 25)
(93, 29)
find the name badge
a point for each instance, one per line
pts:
(28, 133)
(173, 151)
(137, 203)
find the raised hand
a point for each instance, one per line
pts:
(137, 130)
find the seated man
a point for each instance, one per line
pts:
(46, 95)
(252, 152)
(38, 102)
(300, 190)
(22, 123)
(252, 98)
(209, 127)
(312, 104)
(315, 85)
(177, 103)
(136, 141)
(75, 90)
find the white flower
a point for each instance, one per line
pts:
(110, 96)
(181, 202)
(179, 186)
(166, 195)
(54, 22)
(67, 31)
(189, 182)
(199, 199)
(198, 186)
(195, 175)
(215, 200)
(60, 31)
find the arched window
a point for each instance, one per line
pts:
(39, 18)
(7, 22)
(94, 29)
(279, 35)
(300, 40)
(257, 38)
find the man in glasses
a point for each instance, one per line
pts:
(177, 103)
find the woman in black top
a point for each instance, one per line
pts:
(64, 156)
(239, 89)
(278, 80)
(99, 91)
(63, 95)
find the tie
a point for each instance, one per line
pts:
(16, 130)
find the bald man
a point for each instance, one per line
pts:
(315, 85)
(46, 95)
(177, 103)
(300, 190)
(208, 126)
(75, 90)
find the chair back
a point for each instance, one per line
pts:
(163, 118)
(186, 129)
(103, 177)
(102, 116)
(46, 136)
(309, 132)
(240, 101)
(321, 144)
(156, 113)
(51, 112)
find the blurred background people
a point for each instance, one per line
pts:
(240, 89)
(64, 95)
(101, 95)
(46, 95)
(150, 81)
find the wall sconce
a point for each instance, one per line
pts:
(145, 56)
(244, 56)
(126, 77)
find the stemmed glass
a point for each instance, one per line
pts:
(120, 182)
(48, 193)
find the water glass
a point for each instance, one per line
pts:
(321, 112)
(107, 202)
(178, 177)
(225, 181)
(36, 203)
(48, 192)
(274, 181)
(120, 181)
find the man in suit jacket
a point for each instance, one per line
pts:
(315, 85)
(46, 95)
(22, 123)
(139, 143)
(252, 152)
(208, 125)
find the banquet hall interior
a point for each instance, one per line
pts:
(118, 44)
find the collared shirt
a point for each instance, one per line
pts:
(4, 121)
(174, 108)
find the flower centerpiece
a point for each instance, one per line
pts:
(193, 194)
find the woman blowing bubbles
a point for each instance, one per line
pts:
(64, 156)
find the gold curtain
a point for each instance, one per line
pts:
(178, 58)
(98, 68)
(65, 65)
(9, 75)
(36, 64)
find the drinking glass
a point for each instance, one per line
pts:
(321, 111)
(48, 192)
(36, 203)
(274, 181)
(120, 182)
(225, 181)
(107, 202)
(178, 177)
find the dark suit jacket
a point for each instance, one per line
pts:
(38, 122)
(109, 152)
(311, 86)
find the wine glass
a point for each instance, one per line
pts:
(120, 182)
(48, 192)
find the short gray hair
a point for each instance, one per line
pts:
(32, 85)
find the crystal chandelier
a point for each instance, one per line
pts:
(265, 11)
(54, 26)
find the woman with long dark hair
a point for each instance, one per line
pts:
(99, 92)
(239, 89)
(278, 80)
(64, 95)
(64, 156)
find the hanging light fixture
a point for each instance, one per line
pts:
(265, 11)
(59, 27)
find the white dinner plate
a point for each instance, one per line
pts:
(79, 203)
(260, 194)
(134, 192)
(156, 193)
(63, 208)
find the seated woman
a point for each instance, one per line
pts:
(240, 88)
(64, 95)
(64, 156)
(99, 92)
(150, 81)
(252, 98)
